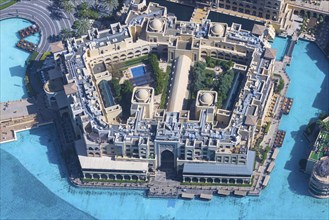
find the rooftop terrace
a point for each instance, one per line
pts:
(321, 147)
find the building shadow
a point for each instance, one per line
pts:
(55, 11)
(22, 191)
(49, 138)
(297, 179)
(321, 100)
(18, 71)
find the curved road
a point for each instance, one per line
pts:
(38, 12)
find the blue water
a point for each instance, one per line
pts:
(280, 44)
(33, 183)
(12, 59)
(138, 71)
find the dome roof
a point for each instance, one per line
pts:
(142, 95)
(218, 29)
(206, 99)
(156, 24)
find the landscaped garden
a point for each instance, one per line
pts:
(123, 92)
(321, 146)
(205, 79)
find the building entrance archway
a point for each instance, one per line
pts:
(167, 160)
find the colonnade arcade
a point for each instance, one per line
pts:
(106, 176)
(217, 180)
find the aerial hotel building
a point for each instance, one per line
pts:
(213, 147)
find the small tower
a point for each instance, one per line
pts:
(143, 97)
(206, 100)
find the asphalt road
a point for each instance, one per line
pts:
(38, 11)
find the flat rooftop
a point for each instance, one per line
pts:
(106, 163)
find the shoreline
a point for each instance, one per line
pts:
(25, 129)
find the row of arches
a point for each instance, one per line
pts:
(247, 5)
(144, 51)
(103, 176)
(221, 55)
(128, 55)
(253, 10)
(216, 180)
(310, 14)
(93, 154)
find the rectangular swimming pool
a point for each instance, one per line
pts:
(138, 71)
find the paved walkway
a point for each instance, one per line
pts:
(14, 109)
(21, 115)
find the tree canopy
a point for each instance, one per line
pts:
(81, 26)
(202, 79)
(85, 11)
(66, 5)
(323, 125)
(159, 75)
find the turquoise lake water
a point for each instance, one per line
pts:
(12, 59)
(34, 186)
(280, 44)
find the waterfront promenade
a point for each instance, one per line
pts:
(22, 115)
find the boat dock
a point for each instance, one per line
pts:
(26, 45)
(275, 153)
(28, 31)
(286, 105)
(205, 196)
(266, 180)
(187, 195)
(240, 193)
(223, 192)
(254, 193)
(270, 167)
(278, 141)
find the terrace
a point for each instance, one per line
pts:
(321, 146)
(136, 70)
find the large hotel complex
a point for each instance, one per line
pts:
(203, 142)
(176, 97)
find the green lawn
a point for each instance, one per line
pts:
(45, 54)
(135, 61)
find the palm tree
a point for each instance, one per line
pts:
(68, 6)
(113, 4)
(65, 34)
(323, 125)
(81, 26)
